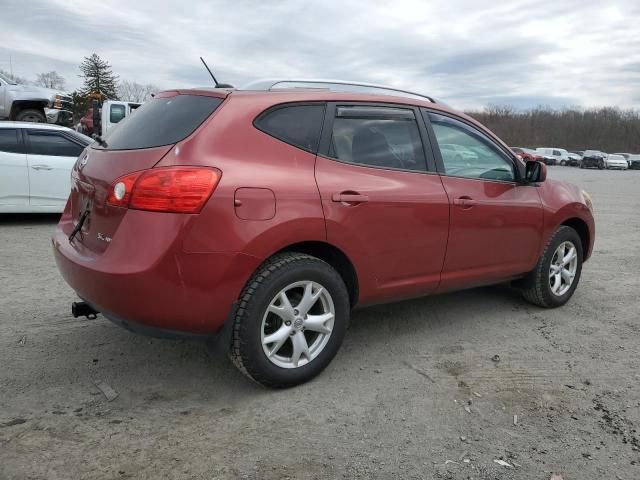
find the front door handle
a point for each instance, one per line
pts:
(351, 198)
(41, 167)
(464, 202)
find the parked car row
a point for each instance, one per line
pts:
(582, 159)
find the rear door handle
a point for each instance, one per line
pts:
(464, 202)
(41, 167)
(352, 198)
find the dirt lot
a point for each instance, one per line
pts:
(414, 392)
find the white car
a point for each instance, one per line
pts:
(560, 155)
(35, 166)
(459, 152)
(615, 161)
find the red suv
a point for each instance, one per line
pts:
(264, 217)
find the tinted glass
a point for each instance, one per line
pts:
(376, 141)
(9, 140)
(161, 121)
(467, 153)
(80, 138)
(116, 113)
(44, 143)
(298, 125)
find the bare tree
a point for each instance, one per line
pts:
(14, 78)
(608, 129)
(50, 80)
(135, 92)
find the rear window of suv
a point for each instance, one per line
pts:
(298, 125)
(161, 121)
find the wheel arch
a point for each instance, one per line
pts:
(18, 105)
(580, 226)
(334, 257)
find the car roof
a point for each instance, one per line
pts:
(299, 95)
(316, 95)
(40, 126)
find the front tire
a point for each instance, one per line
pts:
(557, 273)
(31, 115)
(290, 322)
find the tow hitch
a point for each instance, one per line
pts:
(83, 309)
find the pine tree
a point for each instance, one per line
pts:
(98, 77)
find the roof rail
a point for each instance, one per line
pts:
(338, 85)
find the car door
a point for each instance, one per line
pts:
(383, 205)
(14, 175)
(496, 222)
(50, 157)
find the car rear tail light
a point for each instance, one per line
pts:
(165, 189)
(120, 190)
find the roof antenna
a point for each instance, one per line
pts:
(218, 85)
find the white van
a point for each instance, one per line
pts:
(113, 111)
(561, 156)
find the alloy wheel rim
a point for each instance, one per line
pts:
(297, 324)
(563, 268)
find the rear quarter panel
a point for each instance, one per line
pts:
(249, 158)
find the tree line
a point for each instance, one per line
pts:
(99, 80)
(608, 129)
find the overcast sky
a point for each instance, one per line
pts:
(468, 53)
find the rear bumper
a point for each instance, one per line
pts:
(155, 286)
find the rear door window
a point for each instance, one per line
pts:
(52, 144)
(383, 137)
(9, 140)
(298, 125)
(161, 121)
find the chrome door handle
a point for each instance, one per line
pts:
(464, 202)
(349, 198)
(41, 167)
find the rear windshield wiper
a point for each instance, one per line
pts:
(79, 225)
(100, 140)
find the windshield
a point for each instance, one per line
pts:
(6, 80)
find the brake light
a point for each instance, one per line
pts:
(165, 189)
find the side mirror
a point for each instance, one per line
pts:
(535, 172)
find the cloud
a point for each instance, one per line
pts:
(466, 52)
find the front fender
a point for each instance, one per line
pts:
(567, 215)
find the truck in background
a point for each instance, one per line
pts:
(108, 116)
(28, 103)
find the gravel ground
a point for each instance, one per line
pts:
(414, 392)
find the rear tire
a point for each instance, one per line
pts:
(281, 341)
(31, 115)
(563, 163)
(541, 286)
